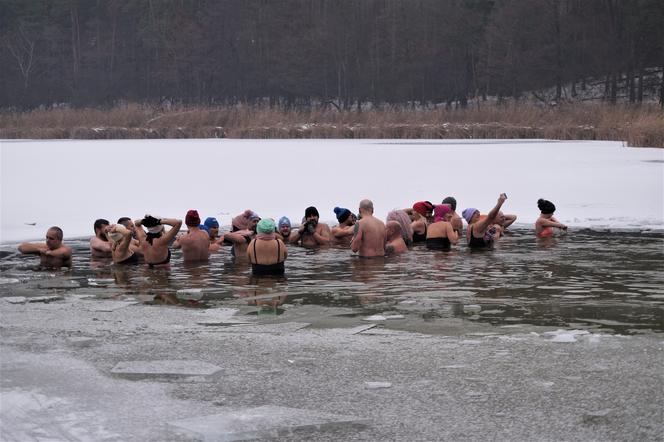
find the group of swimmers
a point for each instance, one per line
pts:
(264, 242)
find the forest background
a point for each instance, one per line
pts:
(323, 68)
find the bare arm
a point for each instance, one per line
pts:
(32, 248)
(509, 220)
(62, 252)
(452, 234)
(175, 228)
(550, 223)
(357, 239)
(323, 237)
(125, 242)
(100, 245)
(490, 218)
(140, 233)
(235, 238)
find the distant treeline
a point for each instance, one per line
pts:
(342, 53)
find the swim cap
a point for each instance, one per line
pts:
(156, 229)
(253, 215)
(311, 211)
(211, 222)
(422, 207)
(192, 219)
(342, 214)
(468, 214)
(451, 201)
(284, 221)
(440, 211)
(546, 206)
(265, 226)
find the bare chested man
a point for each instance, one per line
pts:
(369, 239)
(120, 239)
(211, 226)
(134, 245)
(154, 244)
(457, 223)
(195, 243)
(343, 233)
(311, 232)
(99, 245)
(52, 254)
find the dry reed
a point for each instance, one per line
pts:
(637, 126)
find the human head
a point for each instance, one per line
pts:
(253, 221)
(342, 214)
(393, 230)
(101, 227)
(442, 212)
(424, 208)
(192, 219)
(546, 207)
(500, 218)
(265, 225)
(53, 237)
(242, 221)
(212, 226)
(284, 226)
(451, 201)
(311, 214)
(403, 219)
(125, 221)
(471, 215)
(366, 206)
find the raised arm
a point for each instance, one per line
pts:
(140, 233)
(175, 228)
(491, 216)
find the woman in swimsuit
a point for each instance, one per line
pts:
(155, 243)
(121, 250)
(546, 222)
(422, 212)
(480, 232)
(267, 252)
(441, 234)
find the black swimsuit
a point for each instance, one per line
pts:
(439, 243)
(165, 261)
(478, 243)
(268, 269)
(420, 237)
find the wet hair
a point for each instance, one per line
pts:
(58, 232)
(451, 201)
(150, 236)
(545, 206)
(100, 222)
(123, 220)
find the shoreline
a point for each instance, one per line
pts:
(637, 126)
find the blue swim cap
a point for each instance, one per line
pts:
(284, 221)
(211, 222)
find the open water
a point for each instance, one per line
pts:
(582, 279)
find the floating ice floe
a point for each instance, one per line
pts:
(566, 335)
(383, 317)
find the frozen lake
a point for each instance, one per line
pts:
(71, 183)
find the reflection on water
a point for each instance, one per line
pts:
(586, 278)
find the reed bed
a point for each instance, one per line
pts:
(639, 126)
